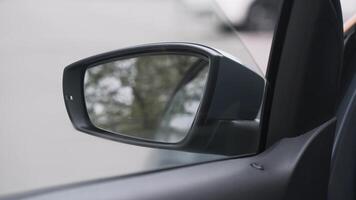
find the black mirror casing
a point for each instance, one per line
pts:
(226, 119)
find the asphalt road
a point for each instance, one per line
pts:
(38, 146)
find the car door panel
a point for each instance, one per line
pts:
(295, 168)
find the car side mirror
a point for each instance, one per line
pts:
(177, 96)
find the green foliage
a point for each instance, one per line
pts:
(132, 96)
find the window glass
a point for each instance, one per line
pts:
(39, 148)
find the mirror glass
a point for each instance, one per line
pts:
(150, 97)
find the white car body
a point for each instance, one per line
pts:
(199, 6)
(236, 11)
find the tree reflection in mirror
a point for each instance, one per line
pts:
(149, 97)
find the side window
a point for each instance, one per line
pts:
(38, 146)
(254, 22)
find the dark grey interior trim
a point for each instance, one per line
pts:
(304, 69)
(294, 168)
(343, 165)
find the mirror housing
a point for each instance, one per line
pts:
(227, 121)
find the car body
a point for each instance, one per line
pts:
(242, 14)
(236, 11)
(253, 14)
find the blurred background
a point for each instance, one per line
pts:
(39, 148)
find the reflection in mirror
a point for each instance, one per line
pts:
(150, 97)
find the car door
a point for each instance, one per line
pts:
(298, 122)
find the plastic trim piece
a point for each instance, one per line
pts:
(292, 169)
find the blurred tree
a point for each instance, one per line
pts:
(130, 96)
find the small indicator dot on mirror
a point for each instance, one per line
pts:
(69, 97)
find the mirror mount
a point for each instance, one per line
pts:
(226, 122)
